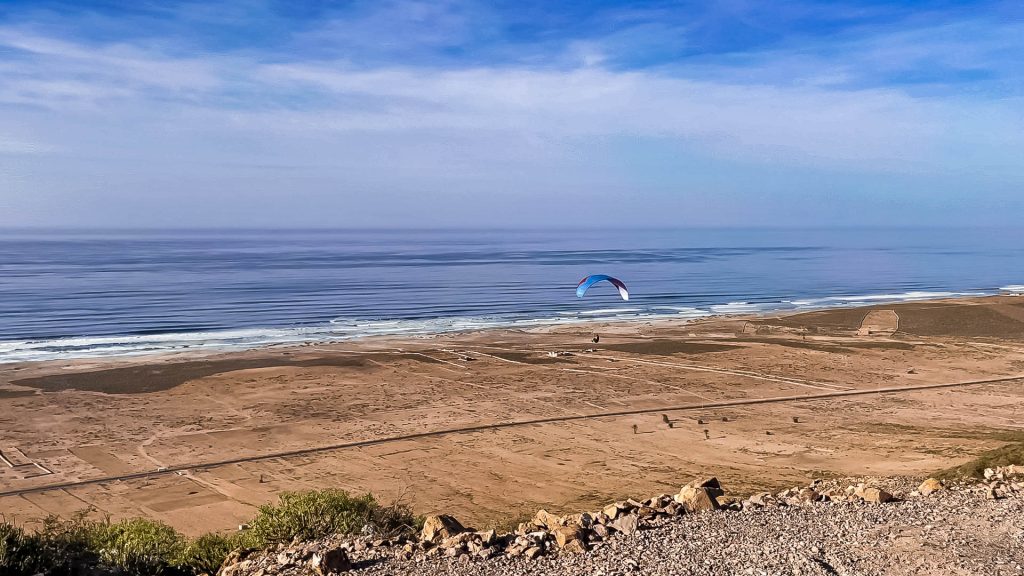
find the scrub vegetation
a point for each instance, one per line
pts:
(146, 547)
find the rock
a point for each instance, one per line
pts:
(809, 495)
(439, 527)
(616, 509)
(564, 535)
(627, 524)
(488, 538)
(672, 509)
(601, 531)
(532, 552)
(929, 486)
(454, 552)
(583, 520)
(547, 520)
(697, 498)
(762, 499)
(711, 484)
(458, 540)
(575, 547)
(646, 512)
(330, 562)
(875, 495)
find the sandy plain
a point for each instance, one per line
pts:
(493, 425)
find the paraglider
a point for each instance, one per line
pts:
(589, 281)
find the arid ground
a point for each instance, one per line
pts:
(492, 425)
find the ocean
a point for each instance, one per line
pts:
(79, 294)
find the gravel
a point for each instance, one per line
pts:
(953, 532)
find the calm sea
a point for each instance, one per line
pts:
(81, 294)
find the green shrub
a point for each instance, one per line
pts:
(20, 553)
(319, 513)
(206, 553)
(139, 546)
(1004, 456)
(148, 548)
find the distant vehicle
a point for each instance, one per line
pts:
(589, 281)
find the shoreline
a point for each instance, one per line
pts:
(233, 340)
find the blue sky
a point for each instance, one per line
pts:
(408, 113)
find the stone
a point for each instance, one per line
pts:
(439, 527)
(809, 495)
(488, 538)
(332, 561)
(697, 498)
(601, 531)
(547, 520)
(458, 539)
(875, 495)
(583, 520)
(575, 547)
(532, 552)
(929, 486)
(712, 485)
(646, 512)
(564, 535)
(672, 509)
(454, 552)
(627, 524)
(611, 511)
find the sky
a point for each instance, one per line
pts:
(404, 113)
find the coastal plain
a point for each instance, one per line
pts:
(492, 425)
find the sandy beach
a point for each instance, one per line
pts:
(493, 425)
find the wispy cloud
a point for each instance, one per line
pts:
(460, 97)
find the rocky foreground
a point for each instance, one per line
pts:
(878, 526)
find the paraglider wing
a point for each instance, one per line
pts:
(589, 281)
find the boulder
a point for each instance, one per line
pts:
(763, 499)
(488, 538)
(601, 531)
(533, 552)
(809, 495)
(697, 498)
(712, 485)
(611, 511)
(583, 520)
(672, 509)
(332, 561)
(875, 495)
(627, 524)
(646, 512)
(565, 535)
(458, 540)
(929, 486)
(547, 520)
(440, 527)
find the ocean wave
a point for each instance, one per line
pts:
(912, 296)
(739, 308)
(343, 329)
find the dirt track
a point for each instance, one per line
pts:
(511, 430)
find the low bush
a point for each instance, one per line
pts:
(319, 513)
(147, 548)
(1004, 456)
